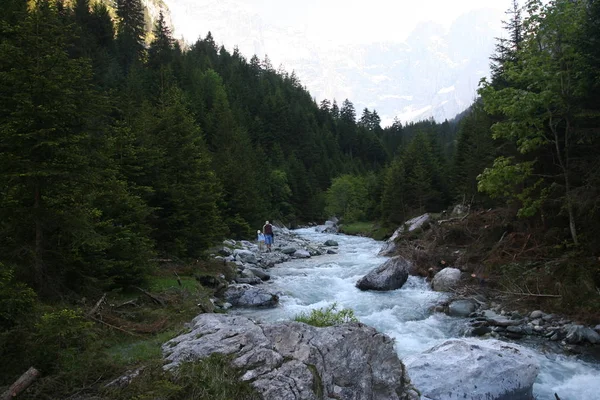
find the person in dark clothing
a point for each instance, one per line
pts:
(268, 231)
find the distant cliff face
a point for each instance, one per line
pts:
(434, 73)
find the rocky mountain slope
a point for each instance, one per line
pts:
(433, 73)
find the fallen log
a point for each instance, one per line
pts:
(155, 299)
(93, 310)
(21, 384)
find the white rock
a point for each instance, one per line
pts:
(474, 369)
(445, 279)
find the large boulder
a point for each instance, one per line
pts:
(446, 279)
(244, 295)
(260, 273)
(389, 276)
(245, 256)
(389, 246)
(293, 360)
(580, 333)
(474, 369)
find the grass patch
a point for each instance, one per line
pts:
(212, 378)
(327, 316)
(138, 351)
(369, 229)
(79, 353)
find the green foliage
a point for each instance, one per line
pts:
(60, 336)
(16, 299)
(540, 100)
(503, 177)
(347, 198)
(328, 316)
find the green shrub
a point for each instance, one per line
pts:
(60, 337)
(328, 316)
(16, 299)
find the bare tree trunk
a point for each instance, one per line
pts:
(563, 165)
(21, 384)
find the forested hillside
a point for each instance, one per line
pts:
(118, 147)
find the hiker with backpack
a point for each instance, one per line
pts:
(268, 231)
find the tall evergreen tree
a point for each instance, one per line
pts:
(130, 32)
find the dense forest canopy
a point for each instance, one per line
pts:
(117, 149)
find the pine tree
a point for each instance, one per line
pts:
(57, 182)
(160, 52)
(130, 32)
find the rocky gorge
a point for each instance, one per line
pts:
(433, 333)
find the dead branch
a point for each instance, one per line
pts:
(21, 384)
(95, 308)
(504, 234)
(113, 326)
(442, 221)
(178, 278)
(155, 299)
(132, 302)
(528, 294)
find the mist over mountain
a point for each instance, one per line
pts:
(434, 72)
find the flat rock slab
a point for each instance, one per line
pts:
(292, 360)
(474, 369)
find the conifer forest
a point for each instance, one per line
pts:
(121, 147)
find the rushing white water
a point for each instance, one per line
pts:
(404, 314)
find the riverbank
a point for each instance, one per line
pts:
(407, 314)
(522, 269)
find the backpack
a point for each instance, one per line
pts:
(268, 229)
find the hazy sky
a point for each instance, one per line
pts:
(364, 20)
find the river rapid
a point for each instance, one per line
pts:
(404, 314)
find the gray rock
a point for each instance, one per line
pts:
(229, 243)
(499, 320)
(245, 256)
(259, 273)
(579, 333)
(248, 280)
(474, 369)
(515, 329)
(480, 330)
(291, 361)
(328, 227)
(330, 243)
(548, 317)
(288, 250)
(313, 252)
(329, 251)
(462, 308)
(446, 279)
(225, 251)
(389, 276)
(267, 260)
(536, 314)
(301, 254)
(244, 295)
(597, 328)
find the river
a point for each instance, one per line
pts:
(403, 314)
